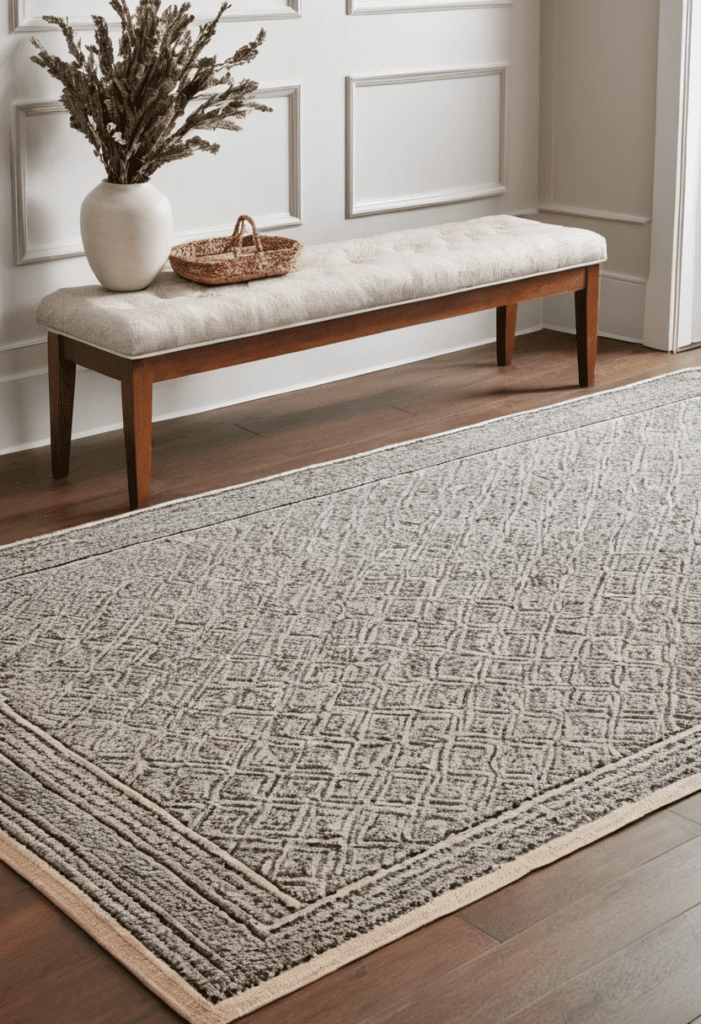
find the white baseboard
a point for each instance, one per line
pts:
(24, 396)
(602, 334)
(24, 392)
(621, 313)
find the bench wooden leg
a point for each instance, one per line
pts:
(586, 304)
(506, 333)
(137, 404)
(61, 393)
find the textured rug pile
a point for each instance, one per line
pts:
(250, 736)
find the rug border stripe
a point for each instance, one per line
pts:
(181, 997)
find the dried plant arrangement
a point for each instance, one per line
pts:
(128, 108)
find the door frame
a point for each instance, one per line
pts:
(669, 296)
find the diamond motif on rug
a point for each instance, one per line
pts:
(252, 727)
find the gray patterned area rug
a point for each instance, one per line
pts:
(252, 735)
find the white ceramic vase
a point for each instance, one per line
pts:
(127, 233)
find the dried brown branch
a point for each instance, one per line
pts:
(128, 109)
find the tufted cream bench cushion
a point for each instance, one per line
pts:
(331, 281)
(339, 291)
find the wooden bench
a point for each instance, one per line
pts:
(81, 331)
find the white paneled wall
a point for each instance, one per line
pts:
(422, 113)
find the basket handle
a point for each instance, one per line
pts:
(237, 237)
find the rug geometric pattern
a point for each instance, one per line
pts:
(256, 725)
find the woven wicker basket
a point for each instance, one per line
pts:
(235, 258)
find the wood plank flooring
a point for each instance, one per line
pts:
(608, 935)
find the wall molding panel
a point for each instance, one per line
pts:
(373, 143)
(405, 6)
(26, 15)
(581, 211)
(27, 251)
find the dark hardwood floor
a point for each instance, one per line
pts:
(608, 935)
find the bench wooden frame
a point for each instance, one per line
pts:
(138, 375)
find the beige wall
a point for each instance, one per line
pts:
(597, 124)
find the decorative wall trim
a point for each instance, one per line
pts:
(403, 6)
(25, 253)
(21, 22)
(583, 211)
(354, 208)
